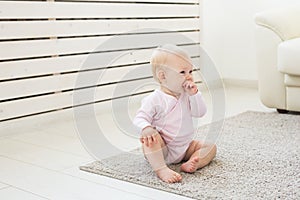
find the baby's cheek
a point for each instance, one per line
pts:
(181, 79)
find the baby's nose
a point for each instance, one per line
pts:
(189, 77)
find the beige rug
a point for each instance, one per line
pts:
(258, 158)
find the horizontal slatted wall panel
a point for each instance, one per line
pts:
(45, 45)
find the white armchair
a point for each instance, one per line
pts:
(278, 57)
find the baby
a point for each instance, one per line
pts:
(165, 117)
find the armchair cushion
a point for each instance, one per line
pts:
(291, 81)
(282, 21)
(289, 57)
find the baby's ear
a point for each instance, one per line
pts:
(161, 75)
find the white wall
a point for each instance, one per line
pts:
(228, 34)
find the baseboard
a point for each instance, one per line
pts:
(37, 122)
(241, 83)
(231, 82)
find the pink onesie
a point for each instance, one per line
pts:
(172, 118)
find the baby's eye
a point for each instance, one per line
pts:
(191, 71)
(182, 72)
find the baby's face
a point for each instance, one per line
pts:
(177, 71)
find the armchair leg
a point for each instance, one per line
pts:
(282, 111)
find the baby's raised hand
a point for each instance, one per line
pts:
(148, 136)
(190, 87)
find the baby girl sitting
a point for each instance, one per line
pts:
(165, 117)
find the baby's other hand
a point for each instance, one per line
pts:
(190, 87)
(148, 136)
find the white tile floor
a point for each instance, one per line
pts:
(42, 162)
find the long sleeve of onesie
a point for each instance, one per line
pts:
(197, 105)
(144, 116)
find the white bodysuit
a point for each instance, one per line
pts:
(172, 118)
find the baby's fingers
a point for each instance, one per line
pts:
(191, 85)
(145, 141)
(142, 140)
(150, 140)
(154, 139)
(185, 84)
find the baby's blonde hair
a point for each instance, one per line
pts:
(160, 56)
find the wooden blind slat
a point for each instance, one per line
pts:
(142, 1)
(46, 10)
(71, 28)
(40, 48)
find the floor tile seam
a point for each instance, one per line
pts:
(49, 148)
(34, 165)
(6, 186)
(18, 188)
(109, 186)
(66, 174)
(23, 190)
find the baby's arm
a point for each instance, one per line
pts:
(197, 105)
(143, 121)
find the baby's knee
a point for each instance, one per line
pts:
(213, 148)
(196, 145)
(158, 138)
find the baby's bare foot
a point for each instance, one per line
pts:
(191, 165)
(168, 175)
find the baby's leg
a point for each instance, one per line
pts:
(155, 156)
(198, 155)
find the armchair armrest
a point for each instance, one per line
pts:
(285, 22)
